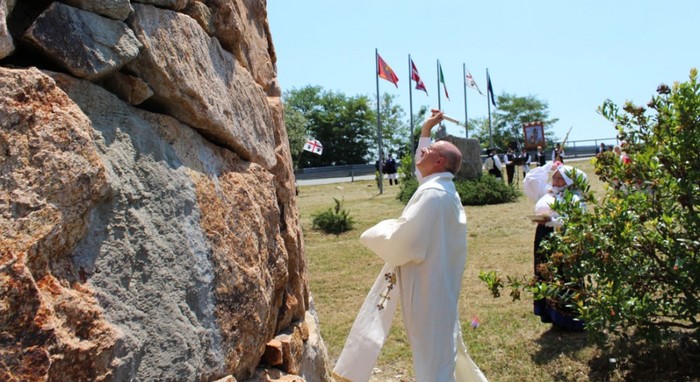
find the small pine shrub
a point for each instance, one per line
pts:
(334, 220)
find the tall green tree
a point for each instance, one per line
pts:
(394, 128)
(508, 119)
(296, 125)
(344, 125)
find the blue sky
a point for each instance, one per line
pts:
(571, 54)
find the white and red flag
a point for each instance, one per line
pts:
(416, 77)
(469, 80)
(314, 146)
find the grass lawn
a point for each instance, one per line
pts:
(510, 344)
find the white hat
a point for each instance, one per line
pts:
(563, 169)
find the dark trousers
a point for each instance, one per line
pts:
(510, 171)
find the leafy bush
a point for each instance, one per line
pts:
(485, 190)
(407, 188)
(477, 192)
(334, 220)
(637, 252)
(406, 168)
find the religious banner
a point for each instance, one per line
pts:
(534, 134)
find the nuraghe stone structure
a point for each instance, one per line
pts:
(148, 223)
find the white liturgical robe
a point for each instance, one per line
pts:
(426, 248)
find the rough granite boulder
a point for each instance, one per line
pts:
(148, 220)
(7, 45)
(213, 92)
(114, 9)
(87, 45)
(241, 27)
(51, 177)
(471, 157)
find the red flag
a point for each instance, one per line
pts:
(385, 71)
(416, 77)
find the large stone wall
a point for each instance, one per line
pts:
(148, 223)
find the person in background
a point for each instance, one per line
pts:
(624, 158)
(425, 252)
(540, 156)
(558, 154)
(390, 170)
(509, 160)
(545, 185)
(600, 150)
(526, 161)
(493, 164)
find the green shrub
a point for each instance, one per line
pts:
(477, 192)
(406, 168)
(485, 190)
(637, 251)
(407, 188)
(334, 220)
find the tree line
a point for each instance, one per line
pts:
(347, 125)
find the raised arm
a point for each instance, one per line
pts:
(424, 141)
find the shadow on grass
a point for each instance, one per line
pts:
(625, 360)
(635, 360)
(556, 341)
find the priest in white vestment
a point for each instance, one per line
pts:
(425, 252)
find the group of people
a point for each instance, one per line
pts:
(425, 251)
(493, 164)
(618, 150)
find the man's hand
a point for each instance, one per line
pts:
(435, 118)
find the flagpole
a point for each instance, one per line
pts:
(410, 112)
(488, 102)
(379, 126)
(466, 119)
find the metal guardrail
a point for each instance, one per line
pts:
(351, 170)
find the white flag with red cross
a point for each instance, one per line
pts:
(314, 146)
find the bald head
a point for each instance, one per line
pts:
(453, 158)
(441, 156)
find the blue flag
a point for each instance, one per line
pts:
(489, 88)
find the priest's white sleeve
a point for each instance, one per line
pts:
(403, 240)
